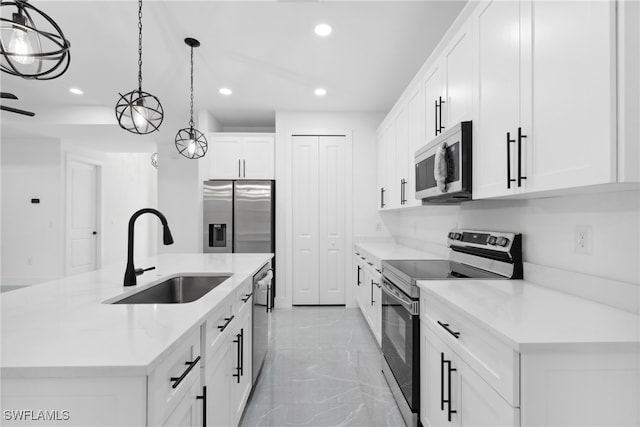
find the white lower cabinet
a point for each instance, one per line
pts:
(189, 412)
(469, 375)
(227, 371)
(453, 394)
(368, 291)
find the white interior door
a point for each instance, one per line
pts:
(306, 220)
(332, 192)
(82, 217)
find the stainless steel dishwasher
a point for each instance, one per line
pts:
(262, 281)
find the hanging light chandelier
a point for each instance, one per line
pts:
(190, 142)
(33, 45)
(138, 111)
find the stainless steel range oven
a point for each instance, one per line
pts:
(472, 255)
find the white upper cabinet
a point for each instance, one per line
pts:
(402, 153)
(416, 123)
(550, 86)
(433, 97)
(457, 61)
(569, 95)
(388, 189)
(497, 98)
(545, 96)
(241, 156)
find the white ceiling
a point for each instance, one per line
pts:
(265, 51)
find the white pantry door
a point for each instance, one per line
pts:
(332, 183)
(82, 217)
(319, 219)
(306, 220)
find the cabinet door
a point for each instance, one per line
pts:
(497, 100)
(218, 379)
(242, 358)
(188, 413)
(416, 119)
(224, 157)
(391, 187)
(258, 157)
(381, 169)
(477, 404)
(433, 93)
(570, 96)
(433, 379)
(458, 63)
(402, 156)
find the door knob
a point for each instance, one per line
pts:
(94, 233)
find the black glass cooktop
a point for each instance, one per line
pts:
(436, 269)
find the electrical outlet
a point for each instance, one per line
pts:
(583, 239)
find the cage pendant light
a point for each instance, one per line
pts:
(32, 44)
(138, 111)
(190, 142)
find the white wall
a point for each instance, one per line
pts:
(31, 233)
(129, 184)
(548, 227)
(365, 217)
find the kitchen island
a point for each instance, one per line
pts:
(66, 348)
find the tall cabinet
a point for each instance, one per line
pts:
(319, 219)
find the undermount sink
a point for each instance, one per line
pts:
(176, 290)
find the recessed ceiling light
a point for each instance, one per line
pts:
(225, 91)
(323, 30)
(76, 91)
(320, 91)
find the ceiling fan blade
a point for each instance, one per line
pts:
(17, 111)
(7, 95)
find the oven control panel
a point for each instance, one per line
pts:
(493, 240)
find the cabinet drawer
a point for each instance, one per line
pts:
(243, 296)
(217, 324)
(496, 362)
(163, 396)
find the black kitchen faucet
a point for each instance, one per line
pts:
(131, 272)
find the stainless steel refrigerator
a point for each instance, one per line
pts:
(239, 217)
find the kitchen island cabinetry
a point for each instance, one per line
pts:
(103, 364)
(507, 353)
(241, 156)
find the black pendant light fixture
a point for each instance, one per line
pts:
(33, 45)
(138, 111)
(190, 142)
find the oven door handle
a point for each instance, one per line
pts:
(410, 306)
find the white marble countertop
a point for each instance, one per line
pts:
(390, 250)
(64, 328)
(530, 317)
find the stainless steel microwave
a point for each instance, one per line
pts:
(443, 167)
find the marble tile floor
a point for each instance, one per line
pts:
(322, 369)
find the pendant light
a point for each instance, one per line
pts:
(32, 52)
(190, 142)
(138, 111)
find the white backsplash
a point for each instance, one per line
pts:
(548, 228)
